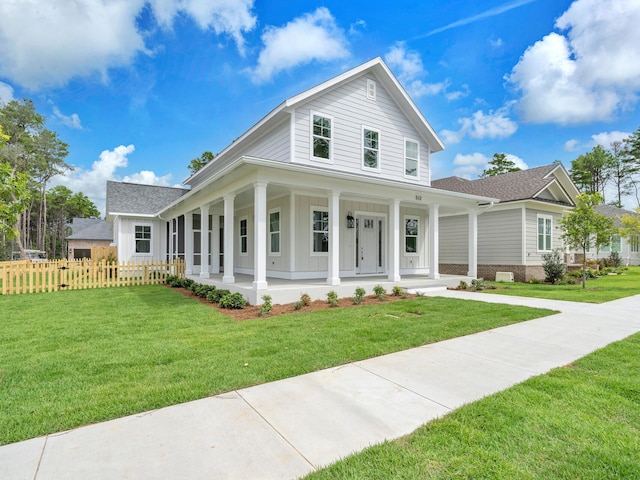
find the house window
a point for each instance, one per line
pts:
(371, 89)
(321, 134)
(370, 149)
(244, 237)
(274, 232)
(143, 238)
(634, 243)
(411, 227)
(615, 244)
(197, 225)
(411, 156)
(544, 233)
(320, 231)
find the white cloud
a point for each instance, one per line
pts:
(354, 28)
(471, 166)
(588, 74)
(71, 121)
(311, 37)
(497, 43)
(480, 125)
(408, 67)
(54, 41)
(464, 92)
(6, 93)
(607, 138)
(93, 182)
(571, 145)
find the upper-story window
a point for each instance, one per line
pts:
(321, 136)
(544, 233)
(370, 149)
(411, 157)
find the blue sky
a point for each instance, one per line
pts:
(138, 88)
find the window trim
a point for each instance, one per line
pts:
(363, 148)
(312, 252)
(278, 232)
(618, 241)
(544, 233)
(634, 244)
(136, 239)
(246, 236)
(417, 159)
(416, 236)
(331, 139)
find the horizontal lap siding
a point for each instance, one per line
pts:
(534, 257)
(454, 234)
(500, 237)
(351, 110)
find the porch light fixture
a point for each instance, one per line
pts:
(350, 220)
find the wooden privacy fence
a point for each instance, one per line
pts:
(52, 276)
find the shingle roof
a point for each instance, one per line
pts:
(508, 187)
(613, 212)
(138, 199)
(90, 229)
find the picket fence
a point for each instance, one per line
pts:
(53, 276)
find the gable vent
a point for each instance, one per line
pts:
(371, 89)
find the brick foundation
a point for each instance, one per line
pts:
(521, 273)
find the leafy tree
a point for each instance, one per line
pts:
(624, 168)
(499, 165)
(631, 151)
(584, 228)
(197, 163)
(630, 228)
(591, 171)
(13, 198)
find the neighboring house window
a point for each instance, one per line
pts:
(544, 233)
(370, 149)
(320, 231)
(274, 232)
(411, 156)
(321, 133)
(143, 238)
(634, 242)
(244, 237)
(411, 227)
(616, 243)
(371, 89)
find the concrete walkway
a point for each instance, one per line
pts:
(288, 428)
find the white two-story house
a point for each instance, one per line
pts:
(333, 183)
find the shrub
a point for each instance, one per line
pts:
(233, 301)
(553, 266)
(189, 284)
(212, 295)
(615, 259)
(397, 291)
(380, 292)
(202, 290)
(265, 308)
(358, 296)
(216, 295)
(478, 285)
(173, 281)
(462, 285)
(298, 305)
(332, 298)
(534, 281)
(305, 299)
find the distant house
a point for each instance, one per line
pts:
(87, 233)
(514, 234)
(335, 182)
(628, 251)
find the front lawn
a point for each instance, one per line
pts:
(77, 357)
(599, 290)
(581, 421)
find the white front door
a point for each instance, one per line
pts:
(369, 244)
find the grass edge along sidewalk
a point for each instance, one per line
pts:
(79, 357)
(578, 421)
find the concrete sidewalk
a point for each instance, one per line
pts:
(288, 428)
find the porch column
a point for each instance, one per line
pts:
(215, 242)
(260, 236)
(434, 239)
(333, 273)
(394, 240)
(204, 241)
(473, 243)
(172, 229)
(229, 221)
(188, 243)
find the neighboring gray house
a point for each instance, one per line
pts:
(87, 233)
(513, 235)
(334, 182)
(628, 251)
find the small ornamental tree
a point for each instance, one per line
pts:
(584, 228)
(630, 228)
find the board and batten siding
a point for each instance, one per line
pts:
(500, 237)
(304, 260)
(533, 256)
(125, 238)
(351, 110)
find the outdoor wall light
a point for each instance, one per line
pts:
(350, 220)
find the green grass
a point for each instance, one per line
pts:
(599, 290)
(78, 357)
(577, 422)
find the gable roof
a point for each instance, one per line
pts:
(90, 229)
(139, 199)
(278, 114)
(613, 212)
(527, 184)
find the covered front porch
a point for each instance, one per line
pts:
(289, 291)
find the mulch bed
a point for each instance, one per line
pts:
(253, 311)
